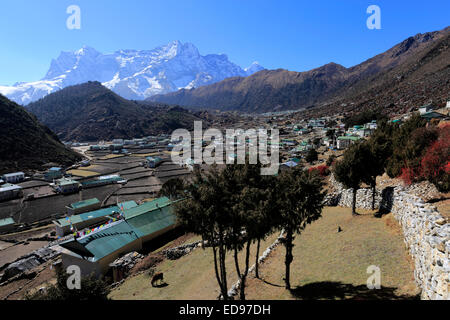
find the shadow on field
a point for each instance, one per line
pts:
(272, 284)
(336, 290)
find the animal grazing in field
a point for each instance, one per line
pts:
(157, 277)
(339, 229)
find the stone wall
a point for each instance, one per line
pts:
(344, 197)
(426, 233)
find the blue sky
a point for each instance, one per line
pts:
(295, 35)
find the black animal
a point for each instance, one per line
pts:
(157, 277)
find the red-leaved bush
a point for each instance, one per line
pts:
(323, 170)
(435, 163)
(435, 159)
(408, 175)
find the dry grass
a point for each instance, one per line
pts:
(171, 153)
(444, 206)
(327, 265)
(190, 277)
(145, 154)
(111, 156)
(82, 173)
(90, 168)
(332, 265)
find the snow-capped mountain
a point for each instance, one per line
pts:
(133, 74)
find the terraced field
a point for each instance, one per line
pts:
(327, 265)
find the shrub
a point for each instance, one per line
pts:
(91, 289)
(323, 170)
(407, 175)
(331, 160)
(435, 162)
(312, 156)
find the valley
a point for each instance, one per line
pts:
(93, 176)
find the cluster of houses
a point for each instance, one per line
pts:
(118, 145)
(332, 133)
(8, 186)
(100, 236)
(153, 162)
(67, 185)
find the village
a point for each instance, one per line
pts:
(106, 213)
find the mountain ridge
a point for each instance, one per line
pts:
(133, 74)
(91, 112)
(277, 90)
(26, 143)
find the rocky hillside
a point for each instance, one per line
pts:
(419, 78)
(411, 72)
(26, 143)
(91, 112)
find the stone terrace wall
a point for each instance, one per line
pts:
(426, 233)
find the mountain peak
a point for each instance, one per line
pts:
(253, 68)
(133, 74)
(85, 50)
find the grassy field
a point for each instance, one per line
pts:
(190, 277)
(327, 265)
(143, 155)
(91, 167)
(112, 156)
(82, 173)
(332, 265)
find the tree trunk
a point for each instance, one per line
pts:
(374, 186)
(288, 258)
(354, 202)
(257, 258)
(244, 275)
(216, 269)
(236, 262)
(224, 273)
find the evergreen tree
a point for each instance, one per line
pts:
(299, 202)
(206, 212)
(376, 152)
(173, 189)
(312, 156)
(350, 170)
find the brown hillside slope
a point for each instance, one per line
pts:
(419, 59)
(26, 143)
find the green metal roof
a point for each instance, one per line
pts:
(100, 181)
(106, 241)
(147, 220)
(156, 159)
(349, 138)
(95, 214)
(65, 181)
(146, 207)
(84, 203)
(7, 221)
(152, 221)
